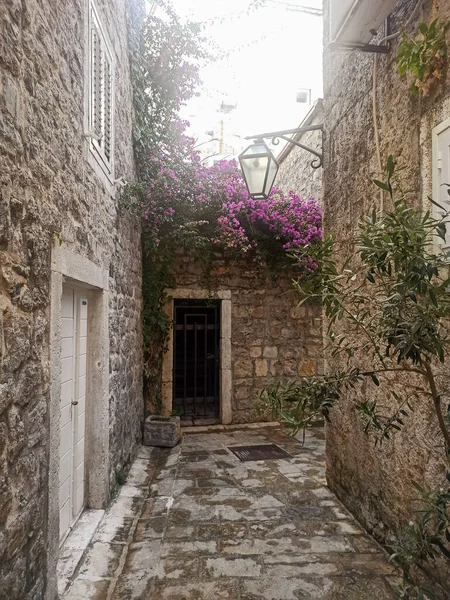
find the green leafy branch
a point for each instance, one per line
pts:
(387, 309)
(299, 403)
(423, 56)
(423, 540)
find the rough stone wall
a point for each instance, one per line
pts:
(271, 337)
(49, 192)
(126, 406)
(376, 483)
(295, 172)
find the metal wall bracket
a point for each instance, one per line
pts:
(276, 136)
(382, 49)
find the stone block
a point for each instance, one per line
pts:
(166, 393)
(242, 393)
(226, 354)
(226, 390)
(247, 403)
(298, 312)
(243, 368)
(10, 97)
(255, 351)
(287, 368)
(318, 323)
(270, 352)
(261, 367)
(307, 368)
(241, 311)
(275, 331)
(240, 382)
(163, 432)
(258, 312)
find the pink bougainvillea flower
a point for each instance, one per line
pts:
(182, 193)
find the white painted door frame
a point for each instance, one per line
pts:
(75, 270)
(74, 316)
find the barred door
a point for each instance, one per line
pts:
(197, 360)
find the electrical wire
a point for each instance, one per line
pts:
(412, 16)
(311, 10)
(258, 4)
(374, 94)
(376, 132)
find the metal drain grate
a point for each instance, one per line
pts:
(264, 452)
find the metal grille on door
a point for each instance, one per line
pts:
(74, 307)
(196, 359)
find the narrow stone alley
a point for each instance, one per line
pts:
(196, 523)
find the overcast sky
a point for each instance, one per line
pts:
(268, 55)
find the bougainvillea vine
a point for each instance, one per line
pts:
(213, 204)
(188, 207)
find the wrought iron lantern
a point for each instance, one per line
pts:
(259, 169)
(259, 166)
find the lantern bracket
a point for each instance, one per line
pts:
(276, 136)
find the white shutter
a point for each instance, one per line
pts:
(441, 174)
(101, 96)
(107, 115)
(96, 81)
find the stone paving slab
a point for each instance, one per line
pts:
(195, 523)
(75, 546)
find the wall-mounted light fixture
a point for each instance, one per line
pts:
(259, 169)
(259, 166)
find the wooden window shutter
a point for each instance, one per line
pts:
(101, 93)
(96, 81)
(107, 123)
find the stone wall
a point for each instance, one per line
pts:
(50, 193)
(295, 172)
(271, 338)
(126, 406)
(377, 483)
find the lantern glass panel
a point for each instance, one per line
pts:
(255, 173)
(255, 164)
(272, 173)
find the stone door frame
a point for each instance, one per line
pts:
(225, 348)
(69, 267)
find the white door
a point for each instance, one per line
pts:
(74, 308)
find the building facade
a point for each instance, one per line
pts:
(230, 340)
(295, 170)
(363, 94)
(71, 403)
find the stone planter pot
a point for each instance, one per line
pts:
(163, 432)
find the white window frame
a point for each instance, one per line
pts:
(439, 243)
(98, 158)
(308, 96)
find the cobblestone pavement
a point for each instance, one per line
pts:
(195, 523)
